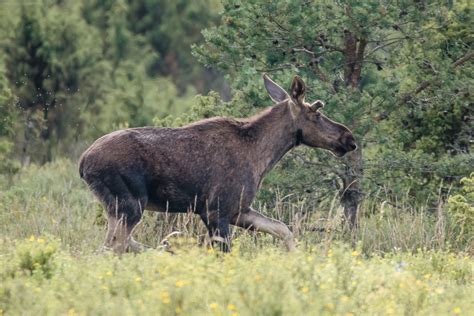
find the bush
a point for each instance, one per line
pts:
(461, 209)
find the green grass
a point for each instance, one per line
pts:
(401, 261)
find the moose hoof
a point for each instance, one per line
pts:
(136, 247)
(220, 243)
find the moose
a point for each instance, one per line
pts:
(213, 167)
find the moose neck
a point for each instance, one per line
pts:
(277, 134)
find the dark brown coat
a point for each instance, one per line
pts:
(212, 167)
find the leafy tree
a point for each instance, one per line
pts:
(50, 57)
(81, 69)
(438, 111)
(461, 209)
(431, 127)
(170, 27)
(348, 52)
(7, 124)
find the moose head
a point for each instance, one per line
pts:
(315, 129)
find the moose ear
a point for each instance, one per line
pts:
(298, 89)
(277, 93)
(316, 105)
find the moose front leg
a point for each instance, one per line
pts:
(218, 228)
(251, 219)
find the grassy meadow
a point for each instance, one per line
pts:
(399, 262)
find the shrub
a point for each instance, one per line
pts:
(461, 209)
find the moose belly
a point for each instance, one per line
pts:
(174, 199)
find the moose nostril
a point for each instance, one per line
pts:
(350, 142)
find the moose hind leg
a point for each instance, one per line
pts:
(124, 211)
(253, 220)
(121, 220)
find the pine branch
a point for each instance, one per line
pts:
(425, 84)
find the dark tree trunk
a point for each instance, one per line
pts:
(351, 193)
(25, 157)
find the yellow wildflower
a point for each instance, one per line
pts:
(231, 307)
(355, 253)
(165, 297)
(178, 310)
(457, 310)
(138, 279)
(32, 238)
(41, 241)
(329, 306)
(305, 290)
(180, 283)
(213, 305)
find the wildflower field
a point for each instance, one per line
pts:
(51, 228)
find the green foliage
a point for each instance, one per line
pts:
(35, 256)
(170, 27)
(49, 58)
(423, 136)
(50, 200)
(461, 209)
(82, 69)
(436, 119)
(8, 115)
(336, 280)
(206, 107)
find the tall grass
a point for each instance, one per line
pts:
(53, 200)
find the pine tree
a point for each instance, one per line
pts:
(348, 52)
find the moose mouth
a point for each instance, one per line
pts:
(341, 150)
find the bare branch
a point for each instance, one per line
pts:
(463, 59)
(383, 46)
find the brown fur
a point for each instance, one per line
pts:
(213, 167)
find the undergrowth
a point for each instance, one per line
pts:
(400, 260)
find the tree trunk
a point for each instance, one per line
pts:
(25, 157)
(351, 193)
